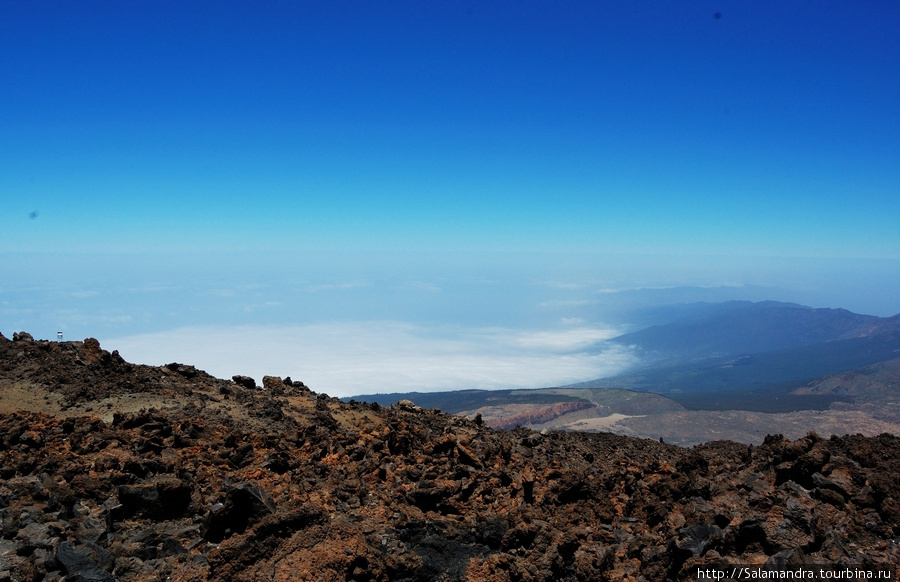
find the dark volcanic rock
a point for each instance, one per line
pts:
(165, 498)
(245, 381)
(78, 562)
(243, 505)
(282, 484)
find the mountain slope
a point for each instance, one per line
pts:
(783, 367)
(220, 480)
(752, 356)
(741, 327)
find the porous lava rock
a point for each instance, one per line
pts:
(220, 481)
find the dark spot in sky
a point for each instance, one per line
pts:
(33, 214)
(717, 15)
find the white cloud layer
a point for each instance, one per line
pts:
(350, 358)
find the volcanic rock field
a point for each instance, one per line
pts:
(117, 471)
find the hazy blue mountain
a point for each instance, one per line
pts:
(741, 327)
(641, 308)
(783, 369)
(751, 356)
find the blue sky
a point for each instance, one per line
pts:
(442, 163)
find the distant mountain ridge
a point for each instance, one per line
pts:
(754, 372)
(743, 327)
(747, 353)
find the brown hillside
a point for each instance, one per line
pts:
(113, 471)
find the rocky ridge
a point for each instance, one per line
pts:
(115, 471)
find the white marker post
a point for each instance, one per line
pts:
(58, 336)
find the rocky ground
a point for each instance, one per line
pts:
(113, 471)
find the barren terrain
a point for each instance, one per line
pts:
(113, 471)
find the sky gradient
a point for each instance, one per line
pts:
(444, 163)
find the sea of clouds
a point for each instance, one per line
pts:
(353, 358)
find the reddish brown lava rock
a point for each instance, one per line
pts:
(219, 481)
